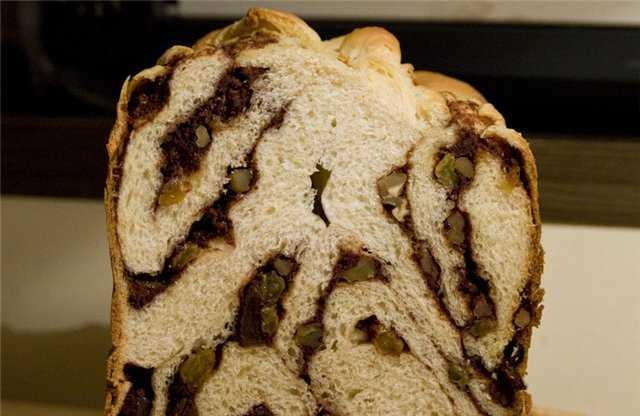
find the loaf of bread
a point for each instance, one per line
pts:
(300, 227)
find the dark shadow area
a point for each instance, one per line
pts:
(61, 367)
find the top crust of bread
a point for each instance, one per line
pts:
(258, 20)
(373, 50)
(442, 83)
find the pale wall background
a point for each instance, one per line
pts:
(606, 12)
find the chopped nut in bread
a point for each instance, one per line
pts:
(303, 227)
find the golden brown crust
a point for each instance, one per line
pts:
(369, 42)
(443, 83)
(116, 384)
(260, 20)
(174, 54)
(372, 48)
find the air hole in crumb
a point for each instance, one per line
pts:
(319, 180)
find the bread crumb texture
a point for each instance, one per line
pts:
(308, 227)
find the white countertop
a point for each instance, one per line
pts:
(585, 356)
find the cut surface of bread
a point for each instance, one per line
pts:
(308, 227)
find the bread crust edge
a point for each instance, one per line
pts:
(117, 386)
(444, 84)
(371, 41)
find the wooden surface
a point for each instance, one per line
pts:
(583, 180)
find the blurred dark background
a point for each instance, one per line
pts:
(577, 83)
(70, 58)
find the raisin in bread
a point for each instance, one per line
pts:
(300, 227)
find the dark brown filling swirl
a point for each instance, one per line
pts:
(259, 410)
(455, 170)
(193, 372)
(213, 223)
(257, 320)
(183, 148)
(260, 309)
(148, 98)
(139, 398)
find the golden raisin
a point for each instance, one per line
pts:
(365, 269)
(195, 369)
(445, 171)
(387, 342)
(309, 335)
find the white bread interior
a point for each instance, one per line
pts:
(352, 107)
(250, 376)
